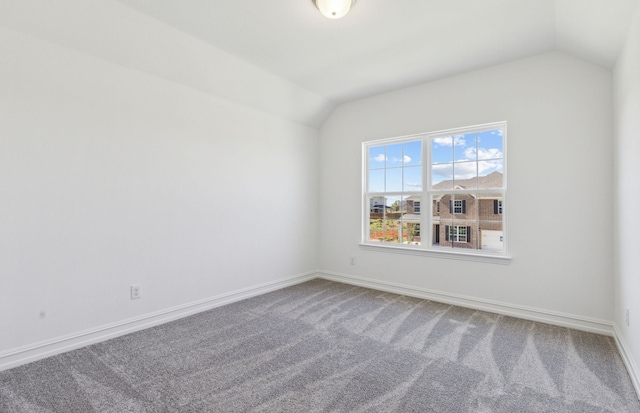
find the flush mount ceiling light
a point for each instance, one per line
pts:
(334, 9)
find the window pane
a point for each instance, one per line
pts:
(442, 176)
(413, 178)
(442, 150)
(396, 206)
(394, 180)
(490, 145)
(411, 233)
(412, 153)
(376, 180)
(394, 155)
(490, 174)
(376, 229)
(436, 206)
(463, 234)
(391, 233)
(437, 233)
(377, 206)
(491, 238)
(465, 175)
(465, 148)
(490, 207)
(377, 157)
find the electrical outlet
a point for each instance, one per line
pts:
(136, 291)
(626, 315)
(352, 260)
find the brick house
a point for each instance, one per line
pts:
(460, 220)
(469, 220)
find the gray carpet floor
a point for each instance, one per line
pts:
(323, 346)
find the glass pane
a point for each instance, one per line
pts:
(411, 233)
(392, 231)
(396, 207)
(377, 157)
(490, 207)
(413, 178)
(412, 153)
(394, 155)
(491, 237)
(376, 180)
(490, 144)
(394, 180)
(436, 206)
(490, 174)
(442, 150)
(413, 206)
(376, 229)
(463, 234)
(490, 226)
(465, 175)
(465, 147)
(437, 234)
(442, 176)
(377, 206)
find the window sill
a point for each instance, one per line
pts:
(453, 255)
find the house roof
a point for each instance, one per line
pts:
(410, 218)
(492, 180)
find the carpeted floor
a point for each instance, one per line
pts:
(322, 346)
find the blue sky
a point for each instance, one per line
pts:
(398, 167)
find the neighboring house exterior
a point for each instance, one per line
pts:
(377, 206)
(469, 220)
(459, 220)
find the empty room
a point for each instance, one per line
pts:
(319, 205)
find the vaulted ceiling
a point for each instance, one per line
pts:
(389, 44)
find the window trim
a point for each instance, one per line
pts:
(426, 249)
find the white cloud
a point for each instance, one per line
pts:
(491, 153)
(406, 159)
(414, 184)
(380, 158)
(466, 170)
(446, 140)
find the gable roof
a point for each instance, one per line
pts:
(492, 180)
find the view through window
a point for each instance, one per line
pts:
(451, 182)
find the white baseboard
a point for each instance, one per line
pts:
(527, 313)
(632, 368)
(23, 355)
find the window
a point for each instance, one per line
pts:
(458, 207)
(461, 176)
(457, 233)
(497, 206)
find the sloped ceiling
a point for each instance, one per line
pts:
(384, 45)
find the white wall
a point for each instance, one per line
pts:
(627, 196)
(560, 192)
(110, 176)
(114, 32)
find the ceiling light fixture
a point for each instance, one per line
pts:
(334, 9)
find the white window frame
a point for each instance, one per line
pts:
(457, 206)
(427, 194)
(455, 233)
